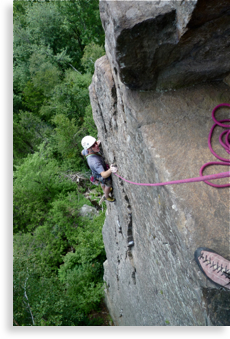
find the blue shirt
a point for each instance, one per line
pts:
(96, 163)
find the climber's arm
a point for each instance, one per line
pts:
(106, 174)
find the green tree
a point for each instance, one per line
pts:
(37, 181)
(83, 30)
(44, 22)
(82, 271)
(92, 52)
(44, 74)
(65, 137)
(88, 126)
(40, 298)
(28, 132)
(58, 255)
(69, 98)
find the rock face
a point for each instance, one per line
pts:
(88, 211)
(156, 136)
(167, 44)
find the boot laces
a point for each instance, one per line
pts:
(216, 266)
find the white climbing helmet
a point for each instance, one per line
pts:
(87, 142)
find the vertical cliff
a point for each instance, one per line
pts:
(166, 67)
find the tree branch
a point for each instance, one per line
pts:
(28, 305)
(15, 322)
(75, 69)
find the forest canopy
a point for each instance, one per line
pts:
(58, 254)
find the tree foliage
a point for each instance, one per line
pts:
(92, 52)
(59, 267)
(58, 254)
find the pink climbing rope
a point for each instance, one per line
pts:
(205, 178)
(226, 145)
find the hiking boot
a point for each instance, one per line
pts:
(215, 267)
(110, 199)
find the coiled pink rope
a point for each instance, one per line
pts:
(205, 178)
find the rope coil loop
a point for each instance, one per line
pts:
(225, 145)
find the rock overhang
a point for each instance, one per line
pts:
(167, 44)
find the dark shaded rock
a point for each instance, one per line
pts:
(218, 309)
(167, 44)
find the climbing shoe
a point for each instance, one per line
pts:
(110, 199)
(215, 267)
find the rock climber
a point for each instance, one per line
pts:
(97, 165)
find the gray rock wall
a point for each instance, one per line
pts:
(156, 136)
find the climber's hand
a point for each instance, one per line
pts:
(113, 168)
(98, 142)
